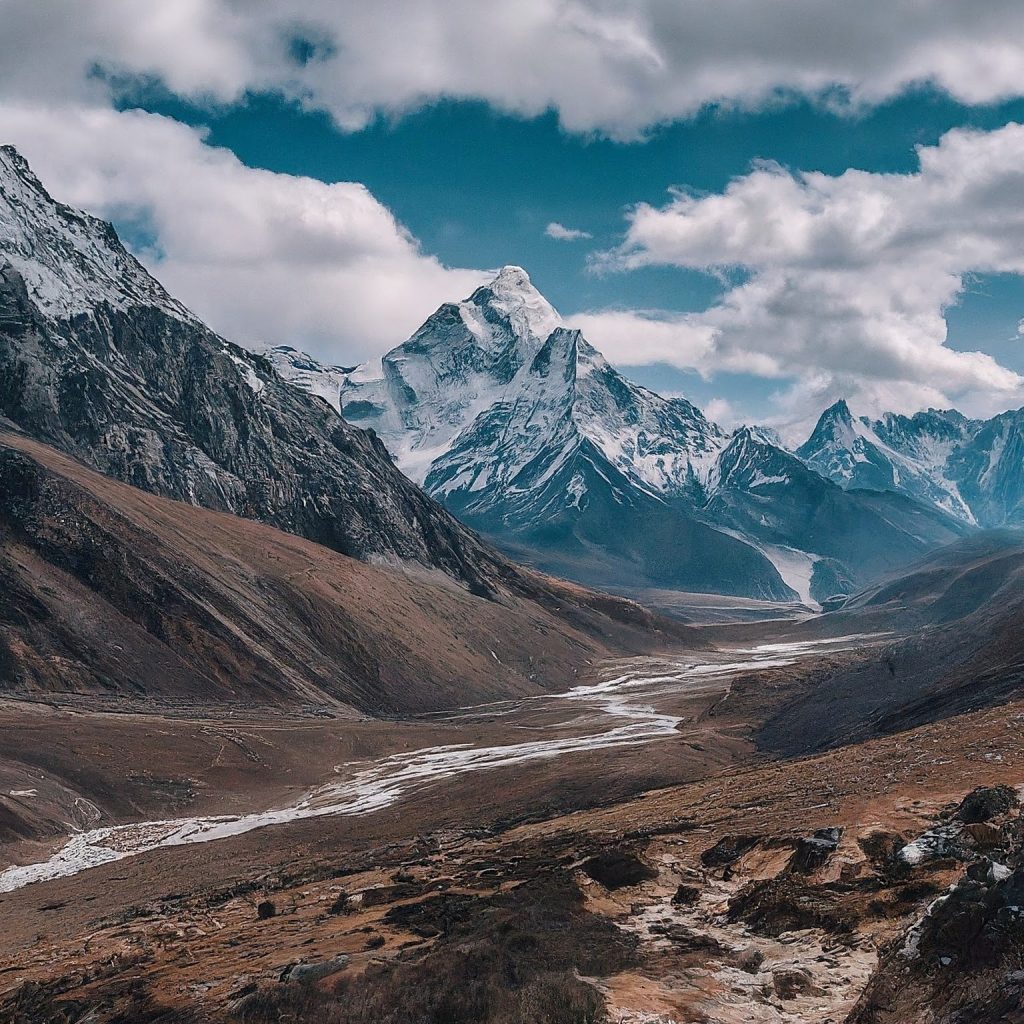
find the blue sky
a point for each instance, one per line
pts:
(782, 203)
(478, 187)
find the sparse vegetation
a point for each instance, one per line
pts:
(508, 959)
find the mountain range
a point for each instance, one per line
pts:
(102, 370)
(520, 427)
(971, 469)
(512, 422)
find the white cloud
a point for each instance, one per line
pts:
(848, 277)
(563, 234)
(630, 337)
(262, 257)
(616, 66)
(722, 412)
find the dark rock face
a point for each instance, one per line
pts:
(786, 904)
(616, 869)
(985, 803)
(728, 850)
(792, 982)
(813, 851)
(686, 896)
(960, 962)
(147, 394)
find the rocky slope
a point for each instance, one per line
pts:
(523, 429)
(779, 892)
(970, 469)
(139, 601)
(98, 360)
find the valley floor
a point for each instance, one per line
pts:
(623, 842)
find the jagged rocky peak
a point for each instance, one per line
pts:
(496, 330)
(763, 435)
(751, 460)
(838, 411)
(837, 444)
(492, 350)
(835, 422)
(512, 295)
(70, 262)
(921, 456)
(464, 358)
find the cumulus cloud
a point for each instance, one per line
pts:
(721, 411)
(262, 257)
(560, 233)
(847, 277)
(632, 337)
(614, 66)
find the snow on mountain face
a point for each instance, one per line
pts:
(70, 262)
(476, 359)
(461, 361)
(664, 445)
(307, 373)
(517, 444)
(972, 470)
(539, 442)
(989, 470)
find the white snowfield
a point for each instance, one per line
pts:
(620, 711)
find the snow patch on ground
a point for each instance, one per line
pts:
(796, 569)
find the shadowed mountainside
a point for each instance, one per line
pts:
(957, 619)
(106, 589)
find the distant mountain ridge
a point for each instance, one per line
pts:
(521, 427)
(971, 469)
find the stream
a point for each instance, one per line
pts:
(619, 711)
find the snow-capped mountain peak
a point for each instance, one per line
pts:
(71, 262)
(513, 295)
(906, 454)
(523, 429)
